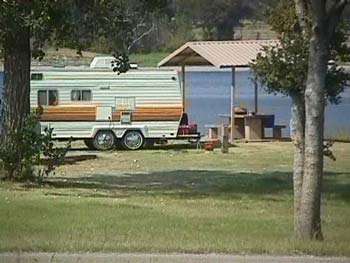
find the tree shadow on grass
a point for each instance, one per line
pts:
(80, 147)
(73, 159)
(199, 184)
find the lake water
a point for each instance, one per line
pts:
(209, 95)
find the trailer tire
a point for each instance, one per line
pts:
(133, 140)
(90, 144)
(104, 140)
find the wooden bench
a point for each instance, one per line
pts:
(214, 131)
(277, 131)
(218, 133)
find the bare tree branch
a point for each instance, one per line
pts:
(152, 28)
(302, 14)
(318, 10)
(338, 6)
(334, 14)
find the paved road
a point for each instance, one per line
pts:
(157, 258)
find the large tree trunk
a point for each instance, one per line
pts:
(17, 78)
(309, 213)
(298, 138)
(322, 17)
(17, 58)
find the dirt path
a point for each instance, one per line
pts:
(168, 258)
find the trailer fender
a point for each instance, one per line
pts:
(119, 132)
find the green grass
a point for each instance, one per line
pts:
(148, 59)
(175, 200)
(342, 135)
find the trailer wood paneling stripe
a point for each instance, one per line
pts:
(153, 114)
(88, 113)
(69, 113)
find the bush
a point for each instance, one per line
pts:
(22, 152)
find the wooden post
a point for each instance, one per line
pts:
(232, 103)
(255, 96)
(183, 87)
(224, 140)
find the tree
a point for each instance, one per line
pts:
(119, 23)
(216, 17)
(320, 19)
(25, 27)
(283, 69)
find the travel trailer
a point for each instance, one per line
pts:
(104, 108)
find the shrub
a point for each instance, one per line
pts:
(22, 152)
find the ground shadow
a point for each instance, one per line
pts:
(178, 146)
(198, 184)
(73, 159)
(171, 146)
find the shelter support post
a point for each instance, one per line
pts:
(183, 87)
(255, 96)
(224, 141)
(232, 103)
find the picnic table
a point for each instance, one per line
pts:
(248, 126)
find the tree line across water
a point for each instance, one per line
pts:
(141, 26)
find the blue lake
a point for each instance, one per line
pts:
(209, 95)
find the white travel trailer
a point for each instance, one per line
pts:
(104, 108)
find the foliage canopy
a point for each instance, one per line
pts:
(283, 68)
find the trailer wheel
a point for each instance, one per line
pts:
(104, 140)
(90, 144)
(133, 140)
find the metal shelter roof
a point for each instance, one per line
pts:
(219, 54)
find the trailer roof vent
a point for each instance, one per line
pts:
(36, 76)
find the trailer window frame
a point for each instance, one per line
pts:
(80, 97)
(47, 97)
(36, 76)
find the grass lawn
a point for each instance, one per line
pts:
(175, 201)
(148, 59)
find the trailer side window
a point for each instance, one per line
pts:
(47, 97)
(86, 95)
(36, 76)
(42, 97)
(75, 95)
(53, 97)
(81, 95)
